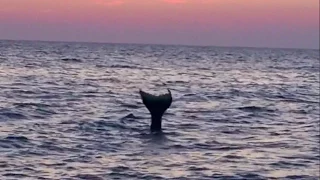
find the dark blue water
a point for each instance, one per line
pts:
(73, 111)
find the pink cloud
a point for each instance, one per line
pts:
(176, 1)
(189, 1)
(47, 11)
(109, 2)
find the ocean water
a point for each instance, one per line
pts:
(73, 111)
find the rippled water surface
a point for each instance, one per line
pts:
(72, 111)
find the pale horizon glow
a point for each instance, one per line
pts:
(249, 23)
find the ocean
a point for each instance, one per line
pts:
(73, 111)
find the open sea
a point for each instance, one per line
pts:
(73, 111)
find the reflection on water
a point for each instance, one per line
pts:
(70, 110)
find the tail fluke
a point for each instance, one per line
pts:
(156, 105)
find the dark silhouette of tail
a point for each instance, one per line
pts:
(156, 105)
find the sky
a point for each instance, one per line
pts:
(248, 23)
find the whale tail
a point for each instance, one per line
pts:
(156, 105)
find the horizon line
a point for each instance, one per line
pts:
(161, 44)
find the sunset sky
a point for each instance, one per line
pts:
(254, 23)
